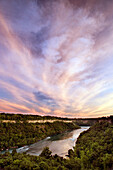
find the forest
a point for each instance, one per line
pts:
(14, 135)
(93, 151)
(78, 121)
(21, 117)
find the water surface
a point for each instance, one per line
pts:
(58, 144)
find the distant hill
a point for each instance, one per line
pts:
(78, 121)
(12, 116)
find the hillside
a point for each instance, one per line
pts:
(93, 151)
(20, 134)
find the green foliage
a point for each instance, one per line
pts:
(93, 151)
(21, 117)
(46, 153)
(95, 147)
(28, 162)
(20, 134)
(71, 153)
(43, 165)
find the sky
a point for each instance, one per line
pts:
(56, 57)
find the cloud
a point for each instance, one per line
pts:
(45, 99)
(56, 57)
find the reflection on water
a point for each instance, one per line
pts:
(58, 144)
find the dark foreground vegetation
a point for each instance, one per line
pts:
(93, 151)
(20, 134)
(95, 147)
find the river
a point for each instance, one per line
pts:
(58, 144)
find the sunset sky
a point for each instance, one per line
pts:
(56, 57)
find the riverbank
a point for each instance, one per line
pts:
(58, 144)
(93, 150)
(21, 134)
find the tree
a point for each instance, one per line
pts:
(43, 165)
(71, 153)
(46, 153)
(14, 152)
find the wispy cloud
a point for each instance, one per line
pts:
(56, 57)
